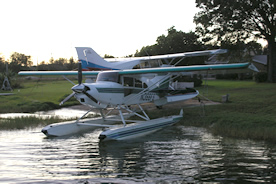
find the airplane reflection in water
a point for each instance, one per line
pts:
(175, 154)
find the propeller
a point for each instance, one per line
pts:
(79, 88)
(79, 73)
(67, 98)
(79, 81)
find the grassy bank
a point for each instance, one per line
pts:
(251, 112)
(37, 96)
(26, 122)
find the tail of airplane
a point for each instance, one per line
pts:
(91, 60)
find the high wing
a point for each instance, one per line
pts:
(57, 73)
(196, 68)
(186, 54)
(171, 56)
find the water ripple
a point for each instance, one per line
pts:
(175, 154)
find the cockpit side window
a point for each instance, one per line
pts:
(145, 64)
(132, 82)
(108, 76)
(137, 66)
(154, 63)
(128, 81)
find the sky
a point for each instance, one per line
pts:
(53, 28)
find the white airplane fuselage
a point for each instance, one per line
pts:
(110, 90)
(112, 94)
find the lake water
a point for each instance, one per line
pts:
(177, 154)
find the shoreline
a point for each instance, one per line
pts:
(77, 110)
(150, 106)
(248, 115)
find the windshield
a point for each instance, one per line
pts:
(108, 76)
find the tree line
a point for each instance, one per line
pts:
(234, 25)
(178, 42)
(21, 62)
(173, 42)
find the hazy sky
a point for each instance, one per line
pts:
(45, 28)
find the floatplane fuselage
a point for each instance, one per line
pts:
(111, 90)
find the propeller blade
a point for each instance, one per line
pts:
(88, 95)
(91, 97)
(69, 80)
(79, 73)
(67, 98)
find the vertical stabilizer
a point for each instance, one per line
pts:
(91, 60)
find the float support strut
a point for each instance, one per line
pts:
(121, 114)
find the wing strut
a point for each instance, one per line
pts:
(149, 88)
(143, 112)
(68, 80)
(139, 115)
(84, 115)
(179, 61)
(121, 114)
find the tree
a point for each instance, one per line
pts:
(237, 21)
(19, 62)
(174, 42)
(51, 60)
(108, 56)
(240, 51)
(58, 64)
(2, 65)
(71, 65)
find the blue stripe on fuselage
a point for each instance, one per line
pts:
(91, 66)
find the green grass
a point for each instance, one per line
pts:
(251, 112)
(37, 96)
(26, 122)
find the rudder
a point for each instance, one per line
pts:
(90, 59)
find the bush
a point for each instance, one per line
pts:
(30, 107)
(229, 76)
(195, 79)
(260, 77)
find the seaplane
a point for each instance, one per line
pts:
(130, 82)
